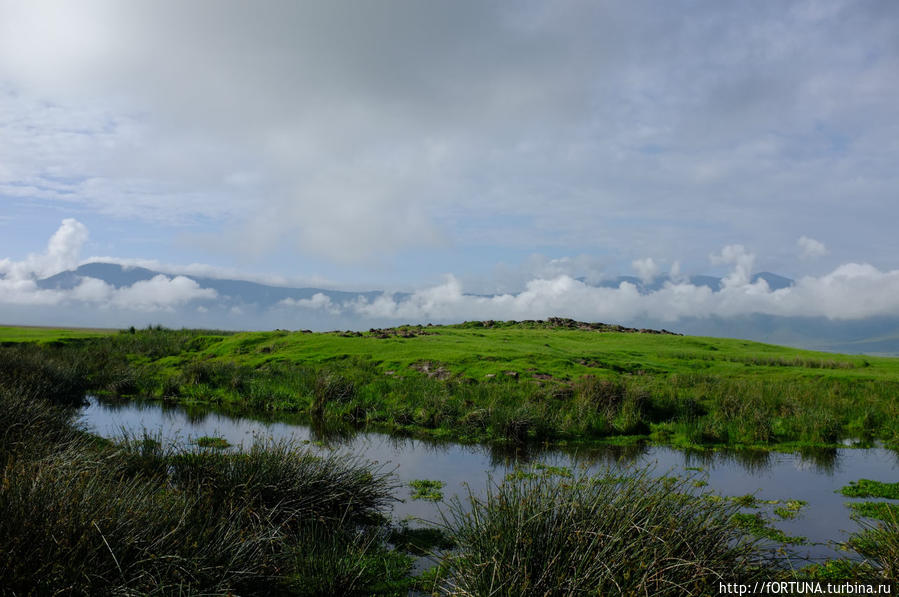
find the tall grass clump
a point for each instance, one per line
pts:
(32, 427)
(34, 371)
(67, 525)
(544, 535)
(879, 544)
(293, 487)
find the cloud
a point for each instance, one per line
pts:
(160, 293)
(18, 286)
(741, 259)
(352, 130)
(810, 248)
(646, 268)
(317, 301)
(851, 291)
(61, 254)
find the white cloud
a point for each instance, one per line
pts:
(317, 301)
(19, 285)
(810, 248)
(61, 254)
(647, 269)
(741, 259)
(851, 291)
(160, 293)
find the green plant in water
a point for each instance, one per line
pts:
(790, 508)
(756, 525)
(426, 489)
(869, 488)
(218, 443)
(876, 510)
(745, 501)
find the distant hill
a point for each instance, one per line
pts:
(229, 291)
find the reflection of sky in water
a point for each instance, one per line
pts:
(812, 477)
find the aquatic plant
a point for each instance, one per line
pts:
(876, 510)
(757, 525)
(218, 443)
(426, 489)
(869, 488)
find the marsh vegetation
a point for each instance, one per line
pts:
(142, 515)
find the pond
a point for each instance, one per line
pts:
(813, 477)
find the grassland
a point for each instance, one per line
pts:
(556, 381)
(82, 515)
(13, 334)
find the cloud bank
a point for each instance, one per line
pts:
(851, 291)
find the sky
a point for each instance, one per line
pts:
(454, 148)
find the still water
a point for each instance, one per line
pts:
(813, 477)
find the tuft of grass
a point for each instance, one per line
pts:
(868, 488)
(598, 535)
(347, 563)
(426, 489)
(879, 544)
(218, 443)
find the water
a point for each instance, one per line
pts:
(813, 477)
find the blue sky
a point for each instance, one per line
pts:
(386, 145)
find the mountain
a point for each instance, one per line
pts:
(232, 291)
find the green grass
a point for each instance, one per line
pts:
(218, 443)
(427, 489)
(878, 543)
(868, 488)
(557, 381)
(12, 334)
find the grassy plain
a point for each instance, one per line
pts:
(11, 334)
(552, 381)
